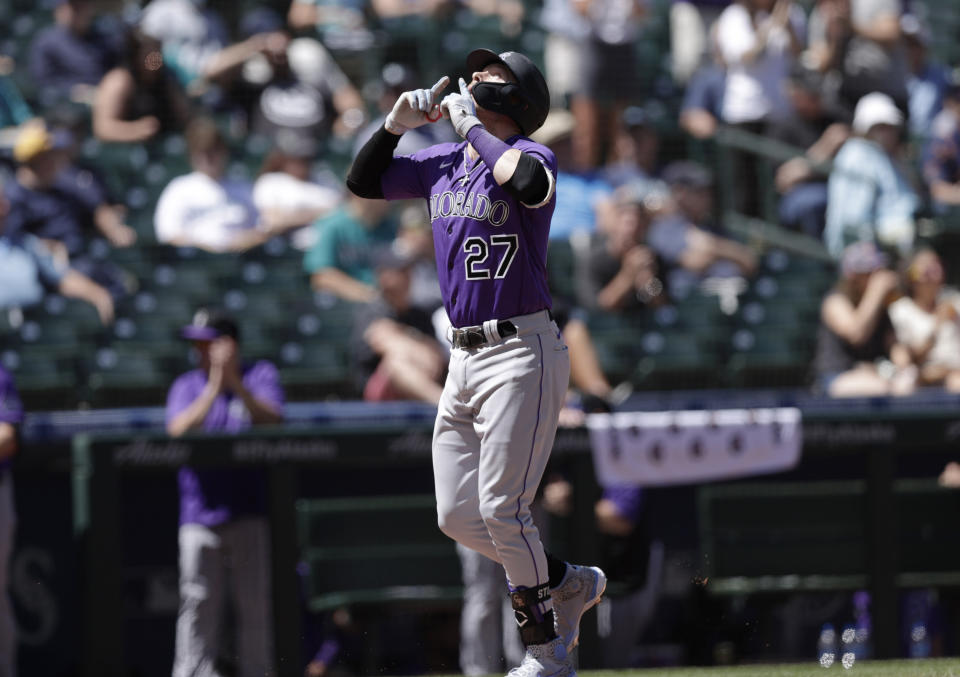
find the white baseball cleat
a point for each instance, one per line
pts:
(578, 592)
(545, 660)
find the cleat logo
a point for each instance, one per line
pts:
(522, 618)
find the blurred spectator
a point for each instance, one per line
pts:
(609, 80)
(580, 193)
(691, 22)
(702, 107)
(567, 30)
(635, 150)
(811, 126)
(926, 79)
(286, 195)
(28, 270)
(868, 196)
(855, 338)
(140, 98)
(395, 347)
(858, 43)
(60, 203)
(348, 241)
(68, 59)
(340, 23)
(622, 272)
(224, 535)
(11, 416)
(927, 322)
(415, 242)
(292, 86)
(190, 33)
(396, 78)
(941, 167)
(14, 110)
(688, 241)
(509, 12)
(204, 208)
(757, 40)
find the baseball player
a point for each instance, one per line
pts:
(490, 200)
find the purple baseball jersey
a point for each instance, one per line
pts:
(491, 250)
(11, 409)
(214, 496)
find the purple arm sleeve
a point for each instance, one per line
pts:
(487, 145)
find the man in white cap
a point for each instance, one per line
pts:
(868, 196)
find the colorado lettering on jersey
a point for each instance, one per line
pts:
(470, 205)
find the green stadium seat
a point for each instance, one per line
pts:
(375, 549)
(770, 356)
(121, 374)
(314, 370)
(678, 359)
(46, 377)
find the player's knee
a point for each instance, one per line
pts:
(450, 521)
(493, 510)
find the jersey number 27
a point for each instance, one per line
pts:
(478, 251)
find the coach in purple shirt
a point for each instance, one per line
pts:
(224, 537)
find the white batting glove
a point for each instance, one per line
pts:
(461, 110)
(415, 108)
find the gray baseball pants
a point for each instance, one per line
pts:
(495, 427)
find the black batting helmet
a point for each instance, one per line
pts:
(526, 102)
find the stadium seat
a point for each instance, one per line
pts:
(408, 558)
(678, 359)
(121, 374)
(314, 370)
(46, 377)
(770, 356)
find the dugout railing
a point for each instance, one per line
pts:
(864, 483)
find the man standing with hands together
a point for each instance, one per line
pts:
(491, 199)
(224, 538)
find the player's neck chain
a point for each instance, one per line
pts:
(467, 166)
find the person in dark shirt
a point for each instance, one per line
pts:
(61, 203)
(395, 347)
(856, 340)
(68, 59)
(622, 272)
(820, 132)
(701, 107)
(140, 97)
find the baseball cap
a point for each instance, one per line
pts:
(873, 109)
(689, 174)
(35, 139)
(529, 78)
(209, 324)
(862, 257)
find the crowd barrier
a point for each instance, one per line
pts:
(94, 572)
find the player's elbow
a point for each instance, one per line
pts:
(364, 187)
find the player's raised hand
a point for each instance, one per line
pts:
(461, 110)
(416, 108)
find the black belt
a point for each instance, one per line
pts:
(472, 337)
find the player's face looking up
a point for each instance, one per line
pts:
(494, 73)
